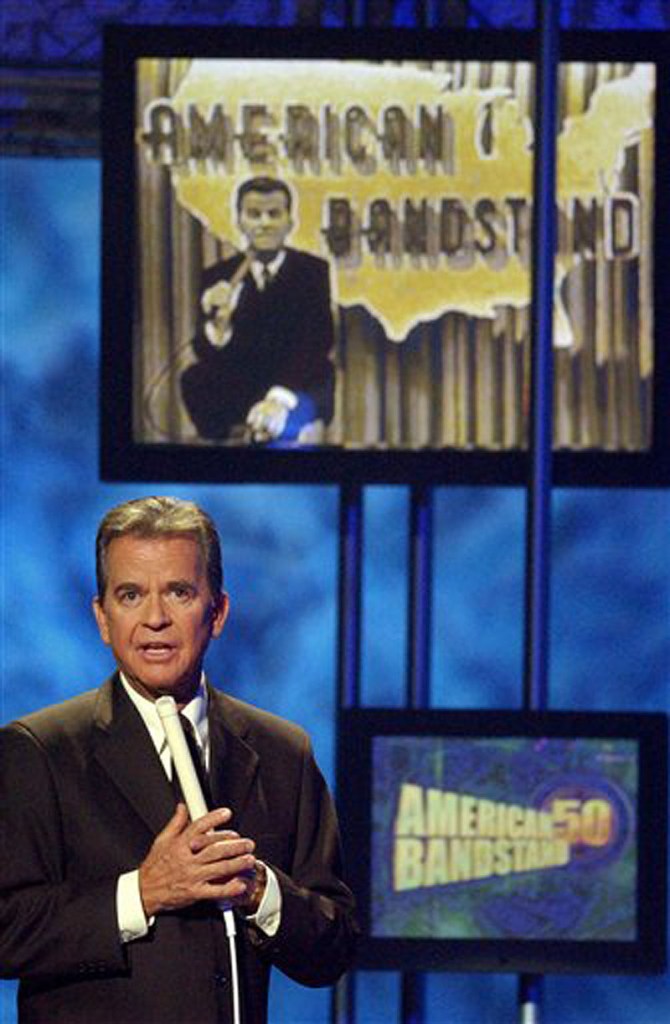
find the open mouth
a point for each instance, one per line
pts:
(157, 651)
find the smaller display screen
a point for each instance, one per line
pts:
(529, 842)
(504, 837)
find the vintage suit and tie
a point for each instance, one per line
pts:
(83, 795)
(281, 335)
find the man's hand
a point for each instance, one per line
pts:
(267, 419)
(190, 861)
(221, 297)
(218, 304)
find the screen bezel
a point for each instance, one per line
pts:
(123, 458)
(646, 954)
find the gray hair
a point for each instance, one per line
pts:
(160, 517)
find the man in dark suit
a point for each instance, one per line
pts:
(109, 894)
(264, 336)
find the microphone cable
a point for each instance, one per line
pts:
(190, 786)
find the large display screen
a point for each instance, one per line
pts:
(503, 840)
(380, 324)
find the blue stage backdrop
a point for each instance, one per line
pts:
(611, 591)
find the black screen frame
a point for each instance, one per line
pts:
(645, 955)
(124, 458)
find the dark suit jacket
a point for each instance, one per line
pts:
(82, 796)
(281, 335)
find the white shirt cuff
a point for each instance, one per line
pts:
(133, 924)
(268, 915)
(129, 910)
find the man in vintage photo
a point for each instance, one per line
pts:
(264, 337)
(110, 896)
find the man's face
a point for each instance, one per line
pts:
(265, 220)
(158, 614)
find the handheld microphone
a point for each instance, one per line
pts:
(182, 763)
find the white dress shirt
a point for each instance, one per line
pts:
(131, 918)
(265, 273)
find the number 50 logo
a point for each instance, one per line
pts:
(594, 817)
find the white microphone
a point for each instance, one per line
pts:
(182, 764)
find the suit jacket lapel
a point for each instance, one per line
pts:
(124, 748)
(233, 763)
